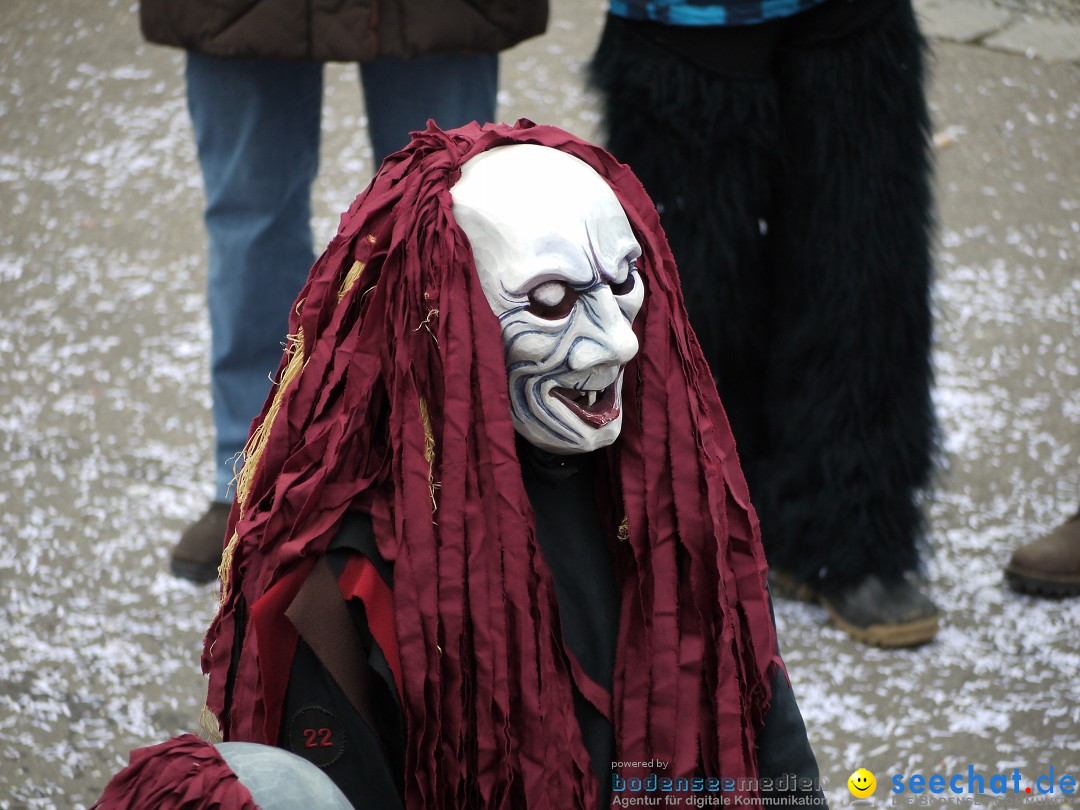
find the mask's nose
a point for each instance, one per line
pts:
(605, 337)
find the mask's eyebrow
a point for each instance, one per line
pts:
(633, 251)
(593, 259)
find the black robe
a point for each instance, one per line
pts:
(361, 747)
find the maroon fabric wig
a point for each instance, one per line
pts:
(393, 400)
(184, 773)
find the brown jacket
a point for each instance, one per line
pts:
(340, 30)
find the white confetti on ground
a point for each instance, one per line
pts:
(105, 433)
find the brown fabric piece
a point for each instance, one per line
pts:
(321, 617)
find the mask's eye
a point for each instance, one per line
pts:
(627, 284)
(551, 300)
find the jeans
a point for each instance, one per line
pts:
(257, 131)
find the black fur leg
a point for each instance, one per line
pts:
(818, 331)
(848, 396)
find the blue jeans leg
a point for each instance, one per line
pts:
(257, 135)
(402, 94)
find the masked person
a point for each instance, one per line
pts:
(491, 545)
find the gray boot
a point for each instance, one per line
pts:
(884, 614)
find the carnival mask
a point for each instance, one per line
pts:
(557, 261)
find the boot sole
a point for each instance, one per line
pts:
(1041, 584)
(902, 634)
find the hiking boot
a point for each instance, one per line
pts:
(198, 554)
(894, 614)
(1050, 565)
(884, 614)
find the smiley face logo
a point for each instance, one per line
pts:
(862, 783)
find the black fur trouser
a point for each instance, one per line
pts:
(791, 168)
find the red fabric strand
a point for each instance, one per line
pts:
(487, 686)
(361, 581)
(275, 662)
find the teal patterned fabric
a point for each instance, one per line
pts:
(703, 12)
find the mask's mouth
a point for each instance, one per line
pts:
(593, 407)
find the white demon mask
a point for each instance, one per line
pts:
(556, 259)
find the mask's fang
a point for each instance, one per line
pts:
(595, 408)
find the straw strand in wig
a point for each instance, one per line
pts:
(398, 406)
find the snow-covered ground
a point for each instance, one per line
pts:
(105, 436)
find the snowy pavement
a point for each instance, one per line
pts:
(105, 435)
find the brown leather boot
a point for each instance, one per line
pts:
(198, 554)
(1049, 566)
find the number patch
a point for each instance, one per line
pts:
(316, 735)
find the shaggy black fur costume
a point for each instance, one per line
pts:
(797, 202)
